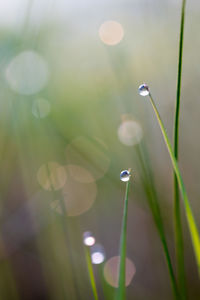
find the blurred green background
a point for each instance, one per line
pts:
(70, 120)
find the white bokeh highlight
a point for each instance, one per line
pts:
(27, 73)
(88, 238)
(97, 254)
(111, 33)
(130, 133)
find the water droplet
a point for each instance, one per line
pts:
(143, 89)
(97, 254)
(88, 238)
(125, 175)
(97, 258)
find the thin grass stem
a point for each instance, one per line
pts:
(153, 202)
(91, 272)
(189, 215)
(121, 292)
(179, 245)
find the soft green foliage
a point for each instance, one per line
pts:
(90, 90)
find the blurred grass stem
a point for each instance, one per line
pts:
(91, 272)
(179, 245)
(149, 187)
(121, 292)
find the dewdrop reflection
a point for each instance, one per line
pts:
(97, 258)
(27, 73)
(111, 33)
(130, 133)
(111, 271)
(143, 89)
(97, 254)
(125, 175)
(88, 239)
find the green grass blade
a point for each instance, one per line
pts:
(179, 246)
(178, 92)
(121, 292)
(149, 188)
(189, 215)
(90, 272)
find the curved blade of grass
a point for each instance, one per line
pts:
(177, 215)
(189, 215)
(121, 292)
(90, 272)
(149, 188)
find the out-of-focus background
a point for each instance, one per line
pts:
(70, 120)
